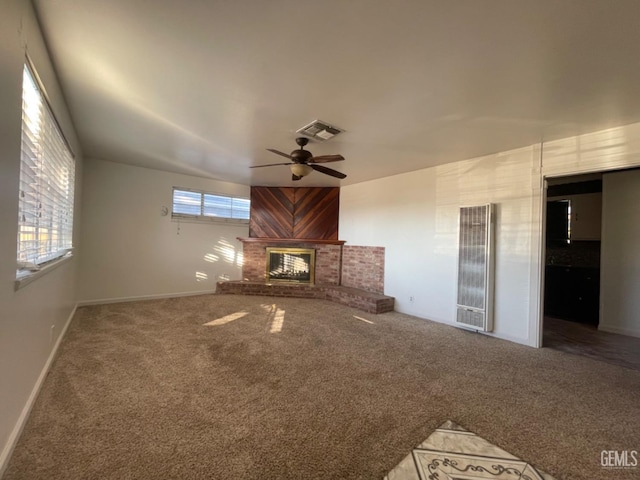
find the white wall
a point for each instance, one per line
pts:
(32, 318)
(606, 150)
(132, 251)
(415, 217)
(620, 256)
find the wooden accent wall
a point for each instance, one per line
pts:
(291, 212)
(271, 212)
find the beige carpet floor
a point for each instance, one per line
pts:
(302, 389)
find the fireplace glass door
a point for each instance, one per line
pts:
(292, 265)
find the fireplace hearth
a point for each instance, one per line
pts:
(349, 275)
(290, 265)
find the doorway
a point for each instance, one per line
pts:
(573, 246)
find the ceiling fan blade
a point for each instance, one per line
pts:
(270, 165)
(327, 171)
(277, 152)
(295, 177)
(326, 159)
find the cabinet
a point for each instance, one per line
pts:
(572, 293)
(586, 216)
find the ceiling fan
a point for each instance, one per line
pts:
(304, 162)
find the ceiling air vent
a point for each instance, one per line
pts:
(320, 130)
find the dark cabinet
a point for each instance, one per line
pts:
(572, 293)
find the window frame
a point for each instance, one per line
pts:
(53, 155)
(202, 217)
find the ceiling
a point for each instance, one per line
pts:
(205, 87)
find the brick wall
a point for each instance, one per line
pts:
(254, 258)
(327, 271)
(367, 301)
(363, 267)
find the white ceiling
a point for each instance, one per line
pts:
(204, 87)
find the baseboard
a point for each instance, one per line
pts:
(631, 332)
(24, 415)
(104, 301)
(521, 341)
(26, 410)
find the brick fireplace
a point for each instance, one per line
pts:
(307, 218)
(327, 260)
(346, 274)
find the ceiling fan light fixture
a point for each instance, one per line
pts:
(301, 170)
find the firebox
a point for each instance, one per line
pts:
(292, 265)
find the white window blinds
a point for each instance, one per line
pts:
(47, 170)
(192, 203)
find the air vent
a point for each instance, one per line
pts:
(319, 130)
(475, 268)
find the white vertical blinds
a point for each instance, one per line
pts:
(47, 171)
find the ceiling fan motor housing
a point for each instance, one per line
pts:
(301, 156)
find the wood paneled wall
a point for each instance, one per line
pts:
(290, 212)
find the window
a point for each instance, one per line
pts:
(47, 171)
(558, 222)
(208, 206)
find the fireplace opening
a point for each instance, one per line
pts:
(292, 265)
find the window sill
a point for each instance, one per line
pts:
(26, 277)
(215, 220)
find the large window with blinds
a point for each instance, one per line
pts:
(203, 206)
(47, 171)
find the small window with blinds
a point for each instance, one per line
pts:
(203, 206)
(47, 179)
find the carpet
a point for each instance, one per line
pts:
(228, 386)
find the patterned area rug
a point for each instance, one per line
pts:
(453, 453)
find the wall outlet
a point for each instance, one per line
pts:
(411, 298)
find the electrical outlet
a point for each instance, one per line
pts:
(411, 298)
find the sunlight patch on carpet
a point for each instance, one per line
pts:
(278, 321)
(362, 319)
(275, 317)
(226, 319)
(452, 453)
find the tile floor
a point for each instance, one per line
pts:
(453, 453)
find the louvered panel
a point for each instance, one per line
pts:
(470, 318)
(475, 273)
(271, 212)
(315, 213)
